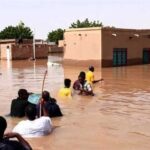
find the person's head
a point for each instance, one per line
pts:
(81, 77)
(45, 95)
(67, 83)
(91, 68)
(3, 126)
(23, 94)
(31, 112)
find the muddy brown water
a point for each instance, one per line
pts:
(116, 118)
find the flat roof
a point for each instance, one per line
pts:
(106, 28)
(83, 29)
(7, 41)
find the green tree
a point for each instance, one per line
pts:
(19, 31)
(55, 35)
(85, 24)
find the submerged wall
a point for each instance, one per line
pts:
(24, 51)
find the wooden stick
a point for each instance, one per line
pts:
(44, 80)
(42, 92)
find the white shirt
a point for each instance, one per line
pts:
(38, 127)
(87, 86)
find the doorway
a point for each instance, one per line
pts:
(8, 53)
(120, 56)
(146, 56)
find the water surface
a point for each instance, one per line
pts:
(116, 118)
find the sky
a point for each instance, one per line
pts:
(43, 16)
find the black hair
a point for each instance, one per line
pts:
(67, 83)
(3, 126)
(45, 95)
(91, 68)
(23, 94)
(31, 112)
(82, 74)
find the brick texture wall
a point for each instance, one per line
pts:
(25, 51)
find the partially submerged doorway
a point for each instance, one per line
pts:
(146, 56)
(120, 56)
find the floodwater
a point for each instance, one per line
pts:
(116, 118)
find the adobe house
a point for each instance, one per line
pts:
(13, 49)
(107, 46)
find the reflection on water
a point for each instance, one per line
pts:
(117, 116)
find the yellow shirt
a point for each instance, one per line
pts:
(65, 92)
(90, 77)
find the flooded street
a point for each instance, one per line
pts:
(116, 118)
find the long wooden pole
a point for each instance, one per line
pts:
(42, 92)
(44, 80)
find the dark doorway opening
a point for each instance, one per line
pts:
(146, 56)
(120, 56)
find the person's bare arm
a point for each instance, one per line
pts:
(45, 113)
(95, 81)
(20, 139)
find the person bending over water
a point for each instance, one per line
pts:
(6, 144)
(82, 85)
(78, 84)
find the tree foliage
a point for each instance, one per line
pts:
(85, 24)
(19, 31)
(55, 35)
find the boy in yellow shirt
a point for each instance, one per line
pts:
(90, 76)
(66, 91)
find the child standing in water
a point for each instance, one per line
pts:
(66, 91)
(90, 76)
